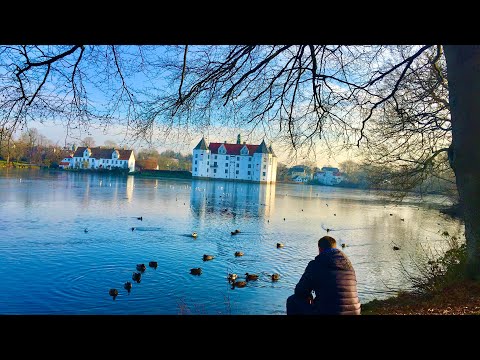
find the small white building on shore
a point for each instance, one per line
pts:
(329, 176)
(100, 158)
(240, 161)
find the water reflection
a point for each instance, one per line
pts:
(231, 199)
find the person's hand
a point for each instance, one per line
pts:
(310, 299)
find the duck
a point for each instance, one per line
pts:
(85, 230)
(141, 267)
(133, 228)
(207, 257)
(196, 271)
(194, 234)
(140, 218)
(239, 283)
(280, 245)
(128, 286)
(113, 292)
(396, 248)
(275, 276)
(153, 264)
(238, 253)
(402, 219)
(137, 277)
(232, 277)
(344, 245)
(251, 276)
(233, 233)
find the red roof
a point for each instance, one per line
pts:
(232, 149)
(103, 153)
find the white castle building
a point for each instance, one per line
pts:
(243, 162)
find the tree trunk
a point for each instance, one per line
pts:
(463, 69)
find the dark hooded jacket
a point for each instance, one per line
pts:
(332, 277)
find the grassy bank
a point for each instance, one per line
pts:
(440, 287)
(17, 165)
(462, 298)
(164, 174)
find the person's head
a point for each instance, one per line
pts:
(326, 242)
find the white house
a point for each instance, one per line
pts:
(100, 158)
(329, 176)
(244, 162)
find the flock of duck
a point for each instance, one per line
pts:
(136, 276)
(233, 278)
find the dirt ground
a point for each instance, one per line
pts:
(459, 299)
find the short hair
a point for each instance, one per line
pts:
(327, 242)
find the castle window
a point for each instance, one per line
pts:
(238, 165)
(264, 173)
(236, 172)
(249, 166)
(214, 171)
(226, 171)
(238, 158)
(196, 156)
(195, 169)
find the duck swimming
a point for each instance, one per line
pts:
(207, 257)
(128, 286)
(194, 234)
(113, 292)
(238, 253)
(280, 245)
(251, 276)
(232, 277)
(275, 276)
(153, 264)
(137, 277)
(141, 267)
(196, 271)
(239, 283)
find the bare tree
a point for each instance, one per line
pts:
(297, 94)
(110, 144)
(88, 141)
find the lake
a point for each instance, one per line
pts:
(66, 238)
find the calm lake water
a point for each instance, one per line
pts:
(50, 265)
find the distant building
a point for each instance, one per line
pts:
(329, 176)
(255, 163)
(301, 179)
(299, 171)
(99, 158)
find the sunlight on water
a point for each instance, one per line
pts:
(67, 238)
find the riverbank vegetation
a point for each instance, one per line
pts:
(440, 286)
